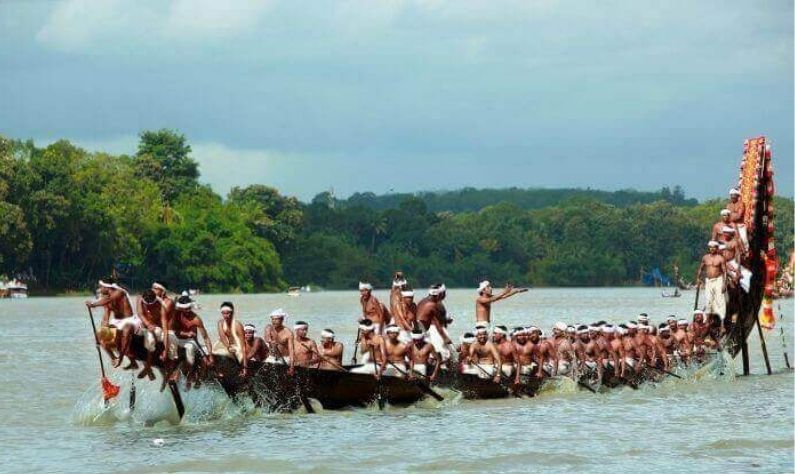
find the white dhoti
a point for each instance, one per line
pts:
(484, 371)
(396, 370)
(745, 274)
(191, 348)
(421, 369)
(122, 323)
(743, 234)
(271, 359)
(369, 368)
(507, 369)
(404, 336)
(630, 361)
(716, 298)
(529, 369)
(438, 343)
(564, 367)
(151, 338)
(591, 364)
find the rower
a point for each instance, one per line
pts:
(118, 314)
(187, 326)
(486, 297)
(483, 357)
(671, 320)
(546, 354)
(256, 347)
(737, 216)
(409, 308)
(563, 348)
(732, 253)
(330, 351)
(700, 330)
(588, 352)
(372, 309)
(372, 346)
(279, 339)
(633, 356)
(151, 313)
(466, 340)
(231, 337)
(615, 359)
(714, 267)
(170, 349)
(506, 350)
(396, 351)
(725, 221)
(421, 353)
(667, 342)
(305, 352)
(524, 350)
(683, 348)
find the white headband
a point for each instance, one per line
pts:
(593, 328)
(665, 329)
(278, 313)
(483, 284)
(300, 326)
(582, 331)
(407, 294)
(734, 191)
(643, 317)
(109, 285)
(393, 328)
(158, 286)
(397, 283)
(184, 305)
(683, 322)
(365, 286)
(499, 330)
(560, 326)
(481, 324)
(417, 336)
(571, 330)
(725, 212)
(434, 291)
(632, 326)
(467, 340)
(713, 243)
(328, 334)
(608, 329)
(226, 306)
(481, 330)
(366, 327)
(249, 327)
(533, 329)
(698, 311)
(442, 288)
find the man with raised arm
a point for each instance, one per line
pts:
(486, 298)
(714, 267)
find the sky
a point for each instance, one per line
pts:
(410, 95)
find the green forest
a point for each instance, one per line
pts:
(69, 216)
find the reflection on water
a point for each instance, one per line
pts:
(52, 417)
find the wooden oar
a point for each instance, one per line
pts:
(380, 387)
(132, 393)
(698, 290)
(298, 389)
(172, 386)
(663, 371)
(356, 346)
(420, 383)
(109, 390)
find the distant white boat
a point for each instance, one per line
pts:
(293, 291)
(13, 289)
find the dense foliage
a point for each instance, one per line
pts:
(68, 216)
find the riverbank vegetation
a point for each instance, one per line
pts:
(68, 216)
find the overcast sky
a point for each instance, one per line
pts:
(412, 95)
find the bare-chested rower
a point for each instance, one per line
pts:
(633, 355)
(396, 351)
(588, 353)
(713, 266)
(421, 353)
(372, 309)
(330, 351)
(396, 306)
(170, 349)
(485, 299)
(484, 358)
(279, 339)
(153, 316)
(256, 346)
(683, 341)
(564, 350)
(305, 352)
(231, 337)
(372, 346)
(524, 350)
(118, 314)
(187, 327)
(546, 355)
(429, 314)
(506, 350)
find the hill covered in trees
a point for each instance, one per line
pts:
(69, 216)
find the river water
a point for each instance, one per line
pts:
(51, 419)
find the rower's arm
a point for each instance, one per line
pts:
(165, 323)
(241, 335)
(207, 340)
(497, 359)
(291, 349)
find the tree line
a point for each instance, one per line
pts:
(69, 216)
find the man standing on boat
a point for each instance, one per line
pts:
(372, 309)
(486, 298)
(737, 216)
(714, 267)
(429, 317)
(396, 307)
(305, 352)
(279, 339)
(118, 314)
(725, 221)
(330, 351)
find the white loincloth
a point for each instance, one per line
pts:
(235, 349)
(271, 359)
(438, 343)
(485, 371)
(391, 371)
(716, 298)
(364, 369)
(151, 338)
(122, 323)
(630, 361)
(564, 367)
(508, 369)
(421, 369)
(745, 274)
(529, 369)
(191, 348)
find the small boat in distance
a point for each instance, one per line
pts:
(293, 291)
(13, 289)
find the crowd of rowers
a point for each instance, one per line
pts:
(407, 339)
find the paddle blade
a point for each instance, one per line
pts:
(109, 390)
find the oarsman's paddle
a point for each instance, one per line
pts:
(580, 383)
(324, 358)
(420, 383)
(783, 338)
(298, 389)
(356, 346)
(663, 371)
(698, 290)
(503, 383)
(132, 392)
(380, 386)
(109, 390)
